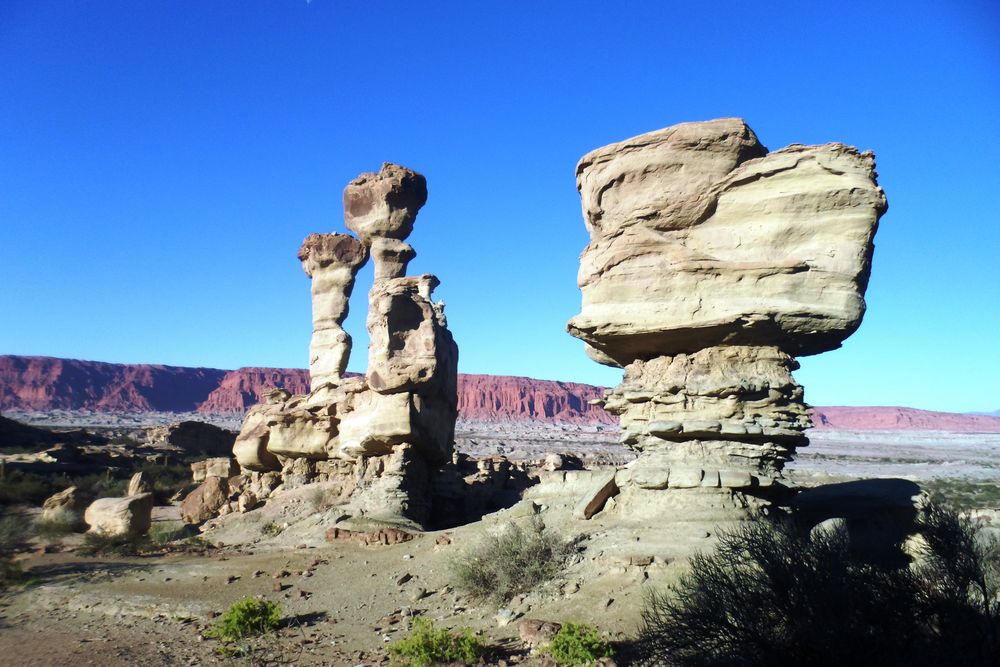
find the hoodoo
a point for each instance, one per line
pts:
(380, 434)
(712, 263)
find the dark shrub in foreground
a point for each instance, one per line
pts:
(772, 595)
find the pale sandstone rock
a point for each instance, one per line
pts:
(250, 448)
(711, 263)
(220, 466)
(331, 261)
(131, 515)
(67, 502)
(699, 237)
(139, 483)
(398, 419)
(411, 348)
(391, 257)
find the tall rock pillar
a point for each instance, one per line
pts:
(331, 261)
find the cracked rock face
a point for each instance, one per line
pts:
(712, 263)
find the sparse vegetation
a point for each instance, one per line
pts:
(427, 646)
(62, 522)
(19, 486)
(965, 493)
(510, 562)
(101, 544)
(773, 595)
(577, 646)
(247, 617)
(15, 529)
(271, 529)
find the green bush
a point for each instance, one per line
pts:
(247, 617)
(576, 646)
(428, 646)
(771, 594)
(510, 562)
(271, 529)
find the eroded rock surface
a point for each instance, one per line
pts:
(332, 261)
(700, 237)
(393, 424)
(711, 264)
(131, 515)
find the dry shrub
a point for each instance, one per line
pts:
(510, 562)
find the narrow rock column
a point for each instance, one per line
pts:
(332, 261)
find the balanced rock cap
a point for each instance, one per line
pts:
(700, 237)
(384, 204)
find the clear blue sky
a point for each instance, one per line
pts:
(161, 162)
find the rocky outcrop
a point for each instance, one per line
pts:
(700, 237)
(711, 264)
(398, 420)
(131, 515)
(193, 437)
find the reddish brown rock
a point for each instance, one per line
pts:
(204, 502)
(46, 383)
(504, 398)
(243, 388)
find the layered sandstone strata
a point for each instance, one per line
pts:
(711, 264)
(393, 425)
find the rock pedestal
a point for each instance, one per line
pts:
(393, 425)
(712, 264)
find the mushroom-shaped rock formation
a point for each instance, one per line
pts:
(332, 261)
(392, 427)
(711, 264)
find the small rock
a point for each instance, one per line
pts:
(535, 632)
(505, 617)
(403, 579)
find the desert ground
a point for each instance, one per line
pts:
(344, 601)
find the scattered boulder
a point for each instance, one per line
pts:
(536, 633)
(131, 515)
(603, 488)
(219, 466)
(204, 502)
(67, 502)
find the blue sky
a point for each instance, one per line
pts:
(161, 162)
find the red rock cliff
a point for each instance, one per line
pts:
(901, 419)
(45, 383)
(501, 397)
(245, 387)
